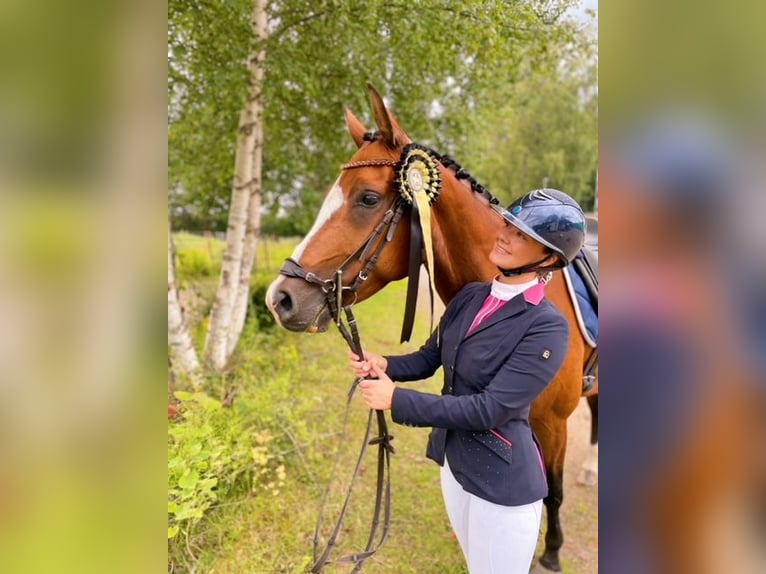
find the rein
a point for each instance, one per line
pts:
(334, 291)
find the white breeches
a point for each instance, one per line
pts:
(495, 539)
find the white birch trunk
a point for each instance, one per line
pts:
(180, 342)
(255, 100)
(217, 347)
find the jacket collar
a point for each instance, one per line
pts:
(535, 294)
(532, 296)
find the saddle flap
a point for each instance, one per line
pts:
(582, 285)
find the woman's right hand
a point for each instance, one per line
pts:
(363, 368)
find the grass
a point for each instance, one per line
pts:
(207, 250)
(302, 381)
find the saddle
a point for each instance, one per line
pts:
(581, 278)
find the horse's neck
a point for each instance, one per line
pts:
(464, 230)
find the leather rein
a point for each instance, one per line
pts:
(367, 253)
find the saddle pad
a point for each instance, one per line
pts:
(587, 318)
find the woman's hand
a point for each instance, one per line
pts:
(378, 392)
(364, 368)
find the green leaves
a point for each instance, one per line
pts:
(212, 450)
(438, 55)
(542, 128)
(202, 399)
(189, 479)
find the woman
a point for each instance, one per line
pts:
(500, 345)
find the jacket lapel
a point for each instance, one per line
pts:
(471, 308)
(511, 308)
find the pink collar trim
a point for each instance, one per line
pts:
(535, 294)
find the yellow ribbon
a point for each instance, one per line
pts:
(419, 182)
(424, 211)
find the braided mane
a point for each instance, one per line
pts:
(451, 164)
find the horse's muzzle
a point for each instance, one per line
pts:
(297, 305)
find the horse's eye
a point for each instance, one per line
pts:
(369, 199)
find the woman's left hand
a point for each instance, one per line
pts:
(377, 393)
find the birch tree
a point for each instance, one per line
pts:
(228, 314)
(183, 354)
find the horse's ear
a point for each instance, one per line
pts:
(355, 128)
(389, 129)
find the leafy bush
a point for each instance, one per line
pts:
(257, 310)
(213, 453)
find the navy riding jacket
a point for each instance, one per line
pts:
(481, 420)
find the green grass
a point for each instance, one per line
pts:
(301, 381)
(270, 253)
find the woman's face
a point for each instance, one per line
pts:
(514, 249)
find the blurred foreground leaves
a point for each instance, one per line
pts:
(82, 186)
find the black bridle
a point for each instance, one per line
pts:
(334, 292)
(333, 287)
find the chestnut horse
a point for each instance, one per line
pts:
(463, 233)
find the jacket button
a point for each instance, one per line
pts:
(452, 367)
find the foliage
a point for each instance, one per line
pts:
(208, 42)
(542, 130)
(227, 451)
(194, 264)
(214, 452)
(257, 311)
(437, 64)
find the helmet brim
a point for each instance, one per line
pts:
(519, 224)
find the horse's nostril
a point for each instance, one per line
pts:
(284, 301)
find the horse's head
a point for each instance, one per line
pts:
(344, 236)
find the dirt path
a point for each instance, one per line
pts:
(579, 513)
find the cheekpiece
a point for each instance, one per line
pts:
(416, 172)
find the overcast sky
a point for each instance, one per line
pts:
(584, 5)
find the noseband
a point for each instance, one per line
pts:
(333, 287)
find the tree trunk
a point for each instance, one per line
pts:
(179, 339)
(253, 229)
(222, 335)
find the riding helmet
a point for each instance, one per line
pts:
(550, 217)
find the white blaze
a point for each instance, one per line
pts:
(332, 203)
